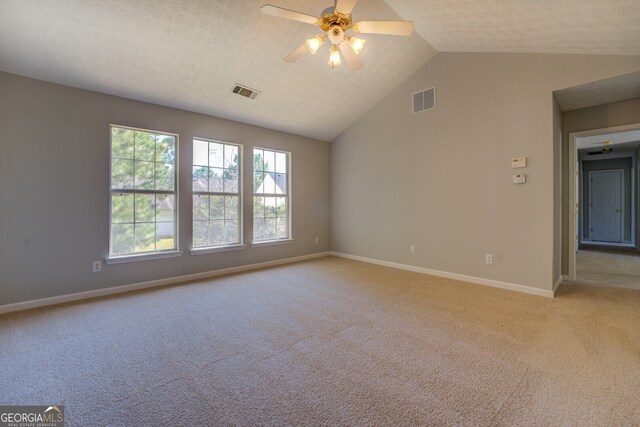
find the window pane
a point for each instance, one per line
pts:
(231, 232)
(258, 179)
(270, 207)
(200, 178)
(270, 228)
(164, 236)
(122, 143)
(165, 208)
(231, 207)
(216, 231)
(121, 208)
(142, 222)
(258, 207)
(231, 157)
(281, 207)
(122, 239)
(282, 231)
(281, 163)
(144, 175)
(269, 184)
(216, 155)
(145, 237)
(269, 161)
(200, 153)
(215, 180)
(165, 149)
(230, 181)
(145, 207)
(258, 229)
(281, 183)
(216, 207)
(215, 217)
(200, 233)
(200, 207)
(258, 160)
(121, 174)
(145, 146)
(164, 176)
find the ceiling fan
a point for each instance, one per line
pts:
(335, 22)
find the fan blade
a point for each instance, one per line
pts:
(394, 28)
(345, 6)
(353, 60)
(279, 12)
(297, 54)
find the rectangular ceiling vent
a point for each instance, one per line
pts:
(424, 100)
(245, 91)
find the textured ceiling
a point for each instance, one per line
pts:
(616, 138)
(188, 54)
(545, 26)
(615, 89)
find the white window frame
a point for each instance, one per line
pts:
(282, 240)
(195, 250)
(150, 255)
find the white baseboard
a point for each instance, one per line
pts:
(455, 276)
(152, 283)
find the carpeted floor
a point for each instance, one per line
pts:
(608, 269)
(330, 342)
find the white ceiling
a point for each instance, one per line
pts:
(545, 26)
(189, 53)
(615, 89)
(616, 138)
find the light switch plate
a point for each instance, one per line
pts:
(519, 178)
(519, 162)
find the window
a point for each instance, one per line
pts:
(216, 194)
(271, 213)
(143, 192)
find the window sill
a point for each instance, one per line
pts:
(143, 257)
(272, 243)
(211, 250)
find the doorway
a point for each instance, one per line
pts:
(604, 216)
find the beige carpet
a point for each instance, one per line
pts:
(607, 269)
(330, 342)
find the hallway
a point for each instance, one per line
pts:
(605, 269)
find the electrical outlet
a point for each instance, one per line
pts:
(97, 266)
(317, 240)
(488, 258)
(412, 248)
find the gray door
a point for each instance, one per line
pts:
(605, 196)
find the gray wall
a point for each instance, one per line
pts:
(54, 180)
(601, 116)
(442, 179)
(599, 165)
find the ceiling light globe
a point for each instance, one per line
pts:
(334, 56)
(314, 44)
(356, 44)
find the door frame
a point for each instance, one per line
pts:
(622, 200)
(574, 202)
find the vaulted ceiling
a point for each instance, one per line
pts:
(188, 54)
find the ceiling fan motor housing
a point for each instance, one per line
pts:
(336, 34)
(331, 18)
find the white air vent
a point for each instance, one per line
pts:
(424, 100)
(245, 91)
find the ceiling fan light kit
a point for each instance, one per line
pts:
(335, 22)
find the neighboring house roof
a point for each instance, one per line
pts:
(274, 180)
